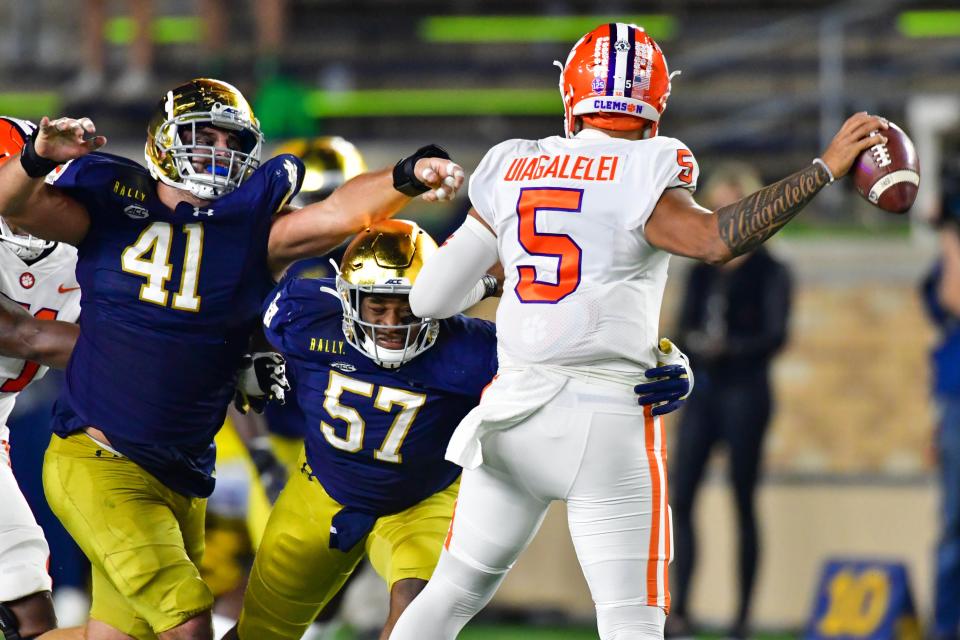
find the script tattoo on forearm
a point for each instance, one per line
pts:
(746, 224)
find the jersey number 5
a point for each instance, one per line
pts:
(556, 245)
(156, 240)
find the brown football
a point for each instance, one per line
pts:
(888, 174)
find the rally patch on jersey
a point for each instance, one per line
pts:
(327, 345)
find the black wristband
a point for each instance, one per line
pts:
(33, 164)
(404, 179)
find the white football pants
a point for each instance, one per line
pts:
(23, 549)
(593, 447)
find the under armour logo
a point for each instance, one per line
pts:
(197, 212)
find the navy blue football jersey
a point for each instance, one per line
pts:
(376, 437)
(169, 300)
(287, 419)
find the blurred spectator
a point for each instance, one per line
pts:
(21, 37)
(942, 296)
(279, 101)
(135, 81)
(269, 18)
(733, 321)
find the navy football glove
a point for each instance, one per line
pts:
(670, 382)
(262, 379)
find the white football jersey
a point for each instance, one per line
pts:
(582, 286)
(48, 289)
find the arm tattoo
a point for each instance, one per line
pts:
(747, 223)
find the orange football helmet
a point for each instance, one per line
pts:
(13, 135)
(614, 75)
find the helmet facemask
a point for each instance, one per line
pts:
(177, 156)
(365, 336)
(25, 246)
(384, 260)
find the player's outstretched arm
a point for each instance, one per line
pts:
(317, 228)
(455, 277)
(681, 226)
(47, 342)
(27, 201)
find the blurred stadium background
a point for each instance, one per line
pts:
(848, 464)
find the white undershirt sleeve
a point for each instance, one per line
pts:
(450, 280)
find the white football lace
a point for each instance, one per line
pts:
(881, 154)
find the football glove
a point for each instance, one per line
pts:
(670, 382)
(273, 475)
(262, 379)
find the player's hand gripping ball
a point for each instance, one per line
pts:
(888, 173)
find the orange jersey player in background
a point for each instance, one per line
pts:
(36, 278)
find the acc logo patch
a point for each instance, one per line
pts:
(343, 366)
(27, 280)
(136, 212)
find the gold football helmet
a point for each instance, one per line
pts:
(385, 259)
(329, 162)
(173, 152)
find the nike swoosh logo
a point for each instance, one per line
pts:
(63, 289)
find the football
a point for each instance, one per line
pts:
(888, 174)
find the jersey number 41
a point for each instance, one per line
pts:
(155, 242)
